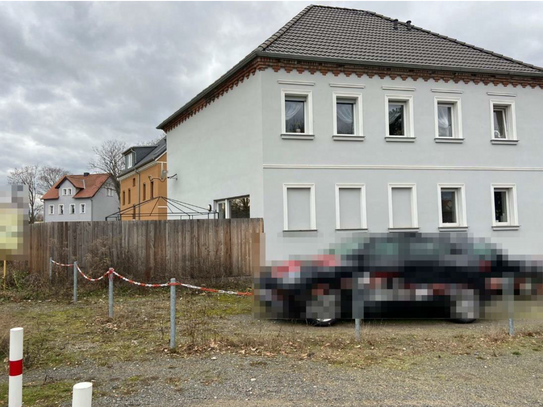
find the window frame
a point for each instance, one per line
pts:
(312, 206)
(461, 210)
(61, 209)
(308, 113)
(409, 125)
(51, 210)
(363, 210)
(357, 115)
(71, 207)
(456, 117)
(144, 191)
(510, 121)
(512, 209)
(414, 207)
(82, 208)
(226, 202)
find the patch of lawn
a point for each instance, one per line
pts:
(41, 395)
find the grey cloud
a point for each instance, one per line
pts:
(75, 74)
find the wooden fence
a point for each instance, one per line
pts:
(150, 250)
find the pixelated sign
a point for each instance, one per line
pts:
(13, 222)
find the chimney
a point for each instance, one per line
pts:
(408, 25)
(86, 174)
(395, 27)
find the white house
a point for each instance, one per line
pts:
(348, 121)
(86, 197)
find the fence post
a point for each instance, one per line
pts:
(511, 304)
(110, 294)
(82, 395)
(172, 313)
(357, 329)
(50, 269)
(75, 282)
(16, 367)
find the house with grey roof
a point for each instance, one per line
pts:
(347, 122)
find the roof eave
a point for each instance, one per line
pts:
(210, 88)
(397, 65)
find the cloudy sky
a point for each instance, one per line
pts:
(75, 74)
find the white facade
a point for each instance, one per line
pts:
(239, 145)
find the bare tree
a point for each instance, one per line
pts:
(109, 158)
(28, 176)
(48, 176)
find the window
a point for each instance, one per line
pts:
(129, 160)
(82, 208)
(51, 209)
(110, 191)
(124, 197)
(402, 207)
(504, 207)
(61, 209)
(72, 209)
(296, 112)
(503, 122)
(129, 197)
(234, 208)
(69, 191)
(144, 191)
(64, 191)
(347, 119)
(452, 206)
(448, 119)
(134, 182)
(152, 188)
(350, 206)
(399, 113)
(299, 207)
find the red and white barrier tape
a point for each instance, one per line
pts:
(93, 279)
(195, 287)
(62, 264)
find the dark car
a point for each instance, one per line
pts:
(396, 275)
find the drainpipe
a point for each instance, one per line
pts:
(139, 197)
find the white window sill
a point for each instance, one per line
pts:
(415, 229)
(347, 137)
(401, 139)
(350, 230)
(299, 230)
(456, 140)
(506, 227)
(453, 228)
(297, 136)
(504, 142)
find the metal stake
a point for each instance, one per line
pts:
(111, 295)
(172, 314)
(75, 282)
(511, 304)
(357, 328)
(50, 269)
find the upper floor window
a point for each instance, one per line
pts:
(296, 112)
(399, 111)
(129, 197)
(134, 181)
(503, 122)
(347, 117)
(51, 209)
(64, 191)
(129, 160)
(110, 191)
(448, 119)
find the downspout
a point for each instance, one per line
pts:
(139, 197)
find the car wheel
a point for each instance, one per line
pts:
(464, 320)
(322, 321)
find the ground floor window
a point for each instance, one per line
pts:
(350, 206)
(234, 208)
(402, 205)
(51, 209)
(504, 205)
(452, 205)
(299, 207)
(72, 209)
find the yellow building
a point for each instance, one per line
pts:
(144, 183)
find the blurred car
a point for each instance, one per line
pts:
(405, 275)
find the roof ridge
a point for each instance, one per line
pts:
(284, 28)
(454, 40)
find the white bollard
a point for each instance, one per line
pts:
(16, 367)
(82, 396)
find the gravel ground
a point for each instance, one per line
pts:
(236, 380)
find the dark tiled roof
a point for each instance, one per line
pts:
(363, 36)
(88, 185)
(156, 152)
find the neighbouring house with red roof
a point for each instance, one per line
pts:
(76, 198)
